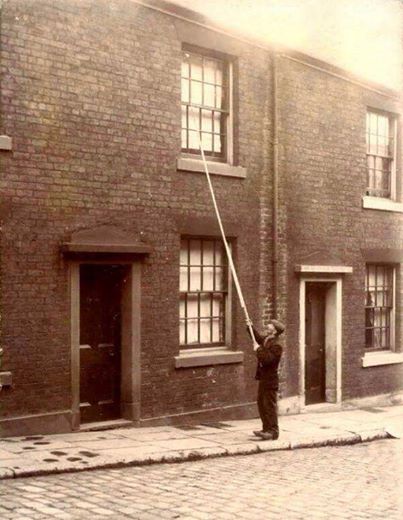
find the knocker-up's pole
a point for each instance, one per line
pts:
(227, 249)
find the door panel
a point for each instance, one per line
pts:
(100, 341)
(315, 375)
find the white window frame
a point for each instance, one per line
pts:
(377, 202)
(392, 356)
(227, 303)
(228, 154)
(392, 325)
(215, 355)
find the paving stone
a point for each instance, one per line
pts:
(89, 450)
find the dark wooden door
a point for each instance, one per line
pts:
(315, 368)
(100, 341)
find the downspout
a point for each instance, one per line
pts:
(275, 188)
(5, 144)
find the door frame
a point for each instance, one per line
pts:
(131, 341)
(333, 342)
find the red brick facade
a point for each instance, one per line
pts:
(91, 98)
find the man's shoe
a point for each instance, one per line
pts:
(258, 433)
(267, 436)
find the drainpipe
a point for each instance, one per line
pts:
(275, 188)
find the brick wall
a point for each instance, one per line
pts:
(91, 97)
(323, 168)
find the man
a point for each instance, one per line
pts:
(268, 358)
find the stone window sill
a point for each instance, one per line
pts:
(215, 168)
(207, 356)
(374, 359)
(382, 204)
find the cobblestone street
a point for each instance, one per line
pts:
(354, 482)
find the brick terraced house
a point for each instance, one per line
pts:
(117, 303)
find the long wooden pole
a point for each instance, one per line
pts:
(228, 251)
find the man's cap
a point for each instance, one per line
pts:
(280, 328)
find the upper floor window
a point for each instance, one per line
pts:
(203, 306)
(379, 307)
(381, 154)
(206, 107)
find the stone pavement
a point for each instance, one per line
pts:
(46, 454)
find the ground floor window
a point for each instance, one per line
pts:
(203, 295)
(379, 306)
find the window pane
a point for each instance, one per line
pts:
(217, 122)
(383, 146)
(369, 298)
(217, 330)
(195, 252)
(208, 278)
(184, 138)
(208, 252)
(388, 298)
(184, 252)
(372, 144)
(196, 92)
(217, 144)
(383, 126)
(207, 120)
(370, 162)
(218, 305)
(192, 306)
(219, 279)
(218, 97)
(184, 117)
(219, 253)
(195, 279)
(376, 338)
(373, 122)
(183, 282)
(182, 308)
(208, 262)
(192, 331)
(205, 331)
(209, 95)
(384, 338)
(371, 276)
(209, 70)
(205, 305)
(194, 140)
(193, 116)
(185, 91)
(207, 141)
(196, 66)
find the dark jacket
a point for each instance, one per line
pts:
(268, 358)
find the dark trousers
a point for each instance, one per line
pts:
(267, 406)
